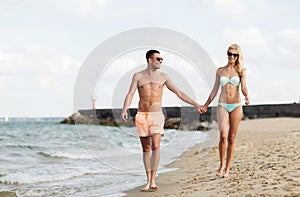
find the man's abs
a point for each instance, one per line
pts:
(148, 106)
(150, 97)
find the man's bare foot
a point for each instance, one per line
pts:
(154, 187)
(220, 171)
(146, 188)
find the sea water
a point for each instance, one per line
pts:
(40, 157)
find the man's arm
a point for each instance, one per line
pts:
(129, 97)
(171, 86)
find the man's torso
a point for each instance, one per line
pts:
(150, 90)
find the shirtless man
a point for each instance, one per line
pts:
(149, 118)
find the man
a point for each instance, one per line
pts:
(149, 118)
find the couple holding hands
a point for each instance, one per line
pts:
(150, 119)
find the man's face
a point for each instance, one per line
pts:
(156, 60)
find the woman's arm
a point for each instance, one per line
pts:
(245, 89)
(214, 91)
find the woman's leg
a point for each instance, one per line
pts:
(235, 118)
(223, 118)
(146, 145)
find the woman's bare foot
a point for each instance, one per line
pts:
(226, 175)
(220, 171)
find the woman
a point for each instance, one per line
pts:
(230, 113)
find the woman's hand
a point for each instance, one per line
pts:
(247, 100)
(202, 109)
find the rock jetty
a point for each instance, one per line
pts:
(182, 118)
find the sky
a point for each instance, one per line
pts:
(43, 45)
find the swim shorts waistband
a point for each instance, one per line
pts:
(147, 113)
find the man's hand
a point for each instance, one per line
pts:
(124, 116)
(199, 109)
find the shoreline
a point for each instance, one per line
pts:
(265, 163)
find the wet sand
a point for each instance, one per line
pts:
(266, 162)
(8, 194)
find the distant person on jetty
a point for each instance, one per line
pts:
(149, 118)
(230, 113)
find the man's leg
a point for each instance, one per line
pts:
(146, 145)
(155, 157)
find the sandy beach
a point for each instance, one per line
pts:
(266, 163)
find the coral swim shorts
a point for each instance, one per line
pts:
(149, 123)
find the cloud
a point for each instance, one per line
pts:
(267, 48)
(92, 8)
(34, 74)
(255, 45)
(101, 10)
(48, 82)
(36, 59)
(286, 45)
(234, 10)
(4, 59)
(249, 37)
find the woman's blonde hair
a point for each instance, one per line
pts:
(239, 62)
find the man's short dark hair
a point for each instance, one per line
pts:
(150, 53)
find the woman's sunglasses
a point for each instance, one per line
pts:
(232, 54)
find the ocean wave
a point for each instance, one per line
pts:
(31, 147)
(47, 174)
(66, 155)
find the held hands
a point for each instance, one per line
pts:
(202, 109)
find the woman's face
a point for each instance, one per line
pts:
(232, 55)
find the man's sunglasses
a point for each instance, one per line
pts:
(232, 54)
(159, 59)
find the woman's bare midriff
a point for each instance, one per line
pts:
(230, 94)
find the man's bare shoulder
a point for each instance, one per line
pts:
(165, 79)
(139, 74)
(164, 75)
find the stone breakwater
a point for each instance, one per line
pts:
(185, 118)
(182, 118)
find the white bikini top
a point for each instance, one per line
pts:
(235, 80)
